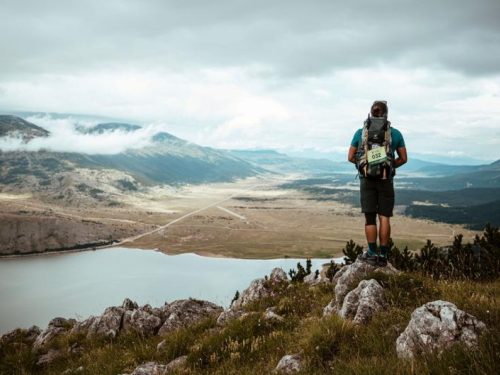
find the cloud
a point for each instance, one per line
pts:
(260, 74)
(64, 138)
(292, 38)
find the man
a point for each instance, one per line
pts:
(377, 193)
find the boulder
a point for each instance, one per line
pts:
(176, 363)
(161, 346)
(130, 305)
(257, 290)
(436, 326)
(150, 368)
(289, 364)
(277, 275)
(229, 315)
(141, 321)
(29, 334)
(108, 324)
(311, 279)
(272, 316)
(56, 327)
(75, 348)
(183, 313)
(345, 279)
(48, 358)
(362, 302)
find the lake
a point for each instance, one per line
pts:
(33, 290)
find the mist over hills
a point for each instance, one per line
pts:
(12, 125)
(164, 159)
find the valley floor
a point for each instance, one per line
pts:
(250, 218)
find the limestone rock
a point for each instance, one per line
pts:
(436, 326)
(75, 349)
(108, 324)
(229, 315)
(256, 290)
(289, 364)
(272, 316)
(129, 304)
(78, 370)
(140, 320)
(56, 327)
(150, 368)
(176, 363)
(161, 346)
(277, 275)
(361, 302)
(29, 334)
(311, 279)
(48, 358)
(183, 313)
(344, 280)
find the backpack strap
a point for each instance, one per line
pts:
(365, 168)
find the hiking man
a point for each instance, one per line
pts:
(372, 150)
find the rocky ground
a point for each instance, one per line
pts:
(366, 317)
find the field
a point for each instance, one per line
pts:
(250, 218)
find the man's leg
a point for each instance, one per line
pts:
(385, 230)
(371, 231)
(369, 203)
(385, 205)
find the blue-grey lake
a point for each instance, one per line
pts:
(34, 290)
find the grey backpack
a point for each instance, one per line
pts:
(375, 156)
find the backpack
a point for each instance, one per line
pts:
(375, 156)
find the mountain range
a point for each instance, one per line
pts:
(167, 160)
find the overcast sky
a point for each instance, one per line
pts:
(280, 74)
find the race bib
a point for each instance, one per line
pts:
(376, 156)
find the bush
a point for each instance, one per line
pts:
(351, 252)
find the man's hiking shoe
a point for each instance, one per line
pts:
(367, 258)
(382, 261)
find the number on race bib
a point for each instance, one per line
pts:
(376, 156)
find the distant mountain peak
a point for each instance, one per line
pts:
(10, 125)
(107, 127)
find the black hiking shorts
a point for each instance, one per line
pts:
(377, 196)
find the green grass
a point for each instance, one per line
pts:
(252, 345)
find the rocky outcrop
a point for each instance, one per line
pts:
(312, 279)
(229, 315)
(278, 275)
(436, 326)
(289, 364)
(29, 334)
(259, 288)
(56, 327)
(48, 358)
(345, 280)
(255, 291)
(183, 313)
(142, 321)
(153, 368)
(150, 368)
(147, 320)
(362, 302)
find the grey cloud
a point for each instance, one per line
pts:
(292, 38)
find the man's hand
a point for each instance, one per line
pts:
(402, 157)
(352, 154)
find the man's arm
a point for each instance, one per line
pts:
(402, 157)
(352, 154)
